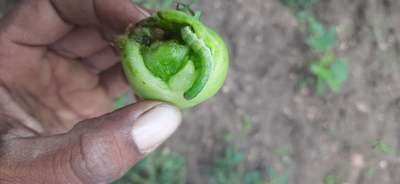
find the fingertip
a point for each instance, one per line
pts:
(118, 15)
(155, 126)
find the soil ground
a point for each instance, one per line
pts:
(328, 135)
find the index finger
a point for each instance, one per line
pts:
(42, 22)
(115, 15)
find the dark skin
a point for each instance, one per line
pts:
(58, 72)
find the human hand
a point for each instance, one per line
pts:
(58, 77)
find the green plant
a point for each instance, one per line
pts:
(327, 70)
(225, 169)
(229, 167)
(380, 146)
(330, 179)
(163, 166)
(298, 5)
(276, 178)
(371, 171)
(319, 37)
(173, 57)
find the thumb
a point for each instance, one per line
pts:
(98, 150)
(111, 144)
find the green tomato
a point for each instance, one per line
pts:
(173, 57)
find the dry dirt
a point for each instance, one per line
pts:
(325, 135)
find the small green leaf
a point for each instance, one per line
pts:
(253, 177)
(327, 59)
(371, 172)
(321, 71)
(339, 75)
(340, 70)
(299, 5)
(275, 178)
(330, 180)
(228, 137)
(233, 155)
(334, 85)
(314, 26)
(386, 149)
(329, 71)
(320, 39)
(247, 124)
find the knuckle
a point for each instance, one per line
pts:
(99, 158)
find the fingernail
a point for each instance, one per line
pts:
(154, 126)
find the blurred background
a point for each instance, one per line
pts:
(312, 97)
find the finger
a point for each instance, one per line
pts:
(99, 150)
(114, 15)
(102, 60)
(41, 22)
(80, 42)
(113, 81)
(33, 23)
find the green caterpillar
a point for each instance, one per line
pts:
(173, 57)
